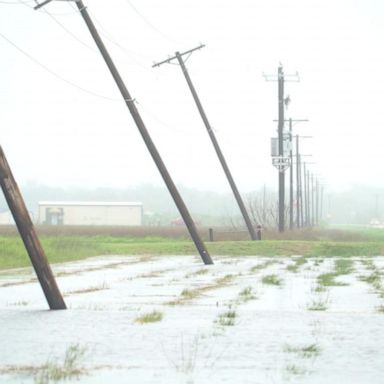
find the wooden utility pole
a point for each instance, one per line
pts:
(306, 195)
(317, 201)
(290, 177)
(313, 220)
(28, 234)
(129, 101)
(291, 205)
(282, 160)
(298, 185)
(280, 132)
(239, 200)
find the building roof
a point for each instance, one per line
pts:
(91, 203)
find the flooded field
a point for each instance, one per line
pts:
(173, 320)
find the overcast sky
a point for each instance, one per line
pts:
(63, 122)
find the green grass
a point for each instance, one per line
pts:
(342, 267)
(152, 317)
(298, 262)
(295, 370)
(317, 305)
(227, 319)
(271, 280)
(306, 351)
(61, 248)
(190, 294)
(54, 371)
(261, 266)
(247, 294)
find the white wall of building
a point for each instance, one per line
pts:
(6, 218)
(87, 213)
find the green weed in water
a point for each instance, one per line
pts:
(271, 280)
(54, 371)
(151, 317)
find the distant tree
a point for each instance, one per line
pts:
(263, 209)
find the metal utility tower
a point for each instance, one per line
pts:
(129, 101)
(239, 200)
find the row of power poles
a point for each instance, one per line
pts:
(305, 208)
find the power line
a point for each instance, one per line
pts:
(109, 37)
(68, 31)
(150, 24)
(53, 73)
(17, 2)
(40, 5)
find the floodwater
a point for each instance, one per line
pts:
(273, 335)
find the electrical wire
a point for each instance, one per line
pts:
(150, 24)
(44, 10)
(108, 36)
(17, 2)
(53, 73)
(68, 31)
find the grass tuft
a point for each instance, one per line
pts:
(189, 294)
(247, 294)
(318, 305)
(271, 280)
(152, 317)
(298, 262)
(306, 351)
(342, 267)
(261, 266)
(295, 370)
(227, 318)
(53, 371)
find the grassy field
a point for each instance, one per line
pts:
(66, 246)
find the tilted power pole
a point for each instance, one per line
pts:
(129, 101)
(28, 234)
(179, 57)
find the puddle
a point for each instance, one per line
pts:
(270, 334)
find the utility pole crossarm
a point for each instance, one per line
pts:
(167, 61)
(41, 4)
(293, 120)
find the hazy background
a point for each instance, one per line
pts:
(63, 124)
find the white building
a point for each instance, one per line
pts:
(90, 213)
(6, 218)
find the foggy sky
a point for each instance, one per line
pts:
(63, 121)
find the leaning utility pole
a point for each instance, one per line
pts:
(129, 101)
(179, 57)
(28, 234)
